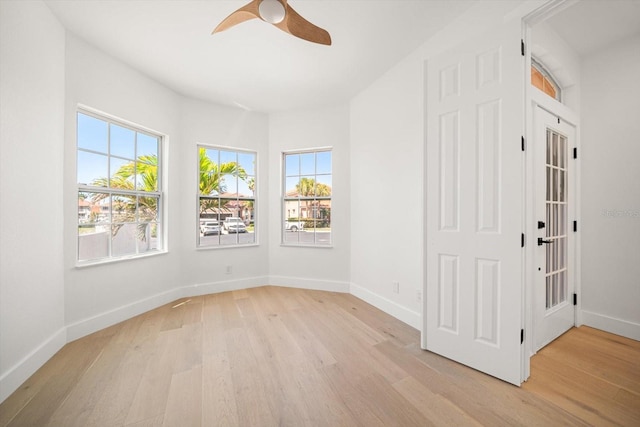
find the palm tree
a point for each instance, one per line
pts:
(308, 187)
(124, 205)
(212, 179)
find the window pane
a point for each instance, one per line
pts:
(211, 208)
(291, 186)
(123, 208)
(92, 169)
(123, 239)
(323, 162)
(247, 162)
(307, 164)
(228, 157)
(123, 142)
(292, 164)
(147, 209)
(93, 208)
(323, 186)
(229, 184)
(245, 187)
(307, 186)
(147, 177)
(291, 209)
(147, 237)
(93, 242)
(121, 174)
(208, 157)
(92, 133)
(147, 146)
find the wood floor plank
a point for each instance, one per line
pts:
(184, 404)
(218, 395)
(151, 395)
(275, 356)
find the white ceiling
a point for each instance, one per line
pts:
(258, 67)
(591, 25)
(254, 65)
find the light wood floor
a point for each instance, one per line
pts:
(288, 357)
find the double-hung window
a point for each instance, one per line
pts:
(226, 197)
(306, 203)
(119, 177)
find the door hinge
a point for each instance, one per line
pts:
(575, 299)
(522, 240)
(522, 50)
(521, 336)
(575, 226)
(523, 144)
(575, 152)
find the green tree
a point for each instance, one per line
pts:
(212, 177)
(124, 206)
(308, 187)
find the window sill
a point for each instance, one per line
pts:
(294, 245)
(85, 264)
(207, 248)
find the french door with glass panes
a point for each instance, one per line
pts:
(554, 311)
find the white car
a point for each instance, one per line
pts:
(234, 225)
(293, 225)
(210, 227)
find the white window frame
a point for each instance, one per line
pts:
(240, 238)
(315, 242)
(160, 239)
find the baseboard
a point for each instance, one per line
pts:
(611, 325)
(319, 285)
(21, 371)
(409, 317)
(103, 320)
(224, 286)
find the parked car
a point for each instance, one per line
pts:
(234, 225)
(292, 225)
(210, 227)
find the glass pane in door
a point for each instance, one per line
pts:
(556, 213)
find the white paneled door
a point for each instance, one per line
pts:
(474, 277)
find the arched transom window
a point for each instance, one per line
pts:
(543, 80)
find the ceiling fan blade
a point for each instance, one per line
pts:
(296, 25)
(245, 13)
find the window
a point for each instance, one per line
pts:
(543, 80)
(307, 198)
(226, 197)
(119, 178)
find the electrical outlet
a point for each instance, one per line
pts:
(228, 270)
(396, 287)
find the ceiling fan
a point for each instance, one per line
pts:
(281, 15)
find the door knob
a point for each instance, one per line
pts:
(541, 241)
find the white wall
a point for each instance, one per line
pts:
(320, 268)
(387, 192)
(101, 294)
(609, 155)
(31, 145)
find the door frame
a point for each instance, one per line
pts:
(534, 98)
